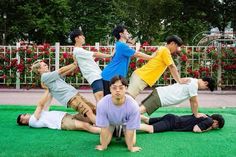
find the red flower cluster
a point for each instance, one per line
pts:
(133, 66)
(184, 58)
(230, 67)
(145, 43)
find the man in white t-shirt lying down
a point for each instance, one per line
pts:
(175, 94)
(42, 118)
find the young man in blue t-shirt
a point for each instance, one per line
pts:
(120, 61)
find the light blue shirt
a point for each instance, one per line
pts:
(119, 63)
(109, 114)
(59, 89)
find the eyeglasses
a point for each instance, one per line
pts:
(114, 87)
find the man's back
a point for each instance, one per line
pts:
(59, 89)
(187, 122)
(177, 93)
(119, 63)
(155, 67)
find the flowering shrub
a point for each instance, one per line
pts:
(192, 61)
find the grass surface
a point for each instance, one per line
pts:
(24, 141)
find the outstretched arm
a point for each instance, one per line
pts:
(63, 71)
(144, 56)
(175, 74)
(43, 103)
(102, 55)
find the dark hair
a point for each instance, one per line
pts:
(116, 31)
(175, 39)
(211, 83)
(74, 34)
(119, 78)
(18, 120)
(219, 118)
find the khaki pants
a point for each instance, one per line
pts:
(81, 105)
(136, 85)
(68, 121)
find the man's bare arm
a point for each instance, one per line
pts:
(63, 71)
(194, 106)
(45, 99)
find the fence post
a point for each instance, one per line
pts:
(57, 54)
(97, 46)
(137, 46)
(18, 62)
(219, 71)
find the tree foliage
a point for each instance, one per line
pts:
(150, 20)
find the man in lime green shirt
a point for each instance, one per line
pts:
(149, 73)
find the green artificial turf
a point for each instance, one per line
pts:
(29, 142)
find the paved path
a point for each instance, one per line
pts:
(31, 97)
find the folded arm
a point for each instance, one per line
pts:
(196, 128)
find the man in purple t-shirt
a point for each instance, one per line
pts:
(118, 109)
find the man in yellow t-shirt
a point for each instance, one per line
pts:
(149, 73)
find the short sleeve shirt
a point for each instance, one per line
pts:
(110, 114)
(59, 89)
(119, 63)
(88, 67)
(155, 67)
(177, 93)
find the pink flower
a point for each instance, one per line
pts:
(133, 65)
(52, 49)
(145, 43)
(107, 59)
(141, 61)
(29, 60)
(35, 57)
(184, 58)
(4, 76)
(28, 51)
(189, 70)
(65, 55)
(196, 73)
(46, 52)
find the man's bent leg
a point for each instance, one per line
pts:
(69, 122)
(91, 105)
(79, 105)
(136, 85)
(151, 103)
(80, 117)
